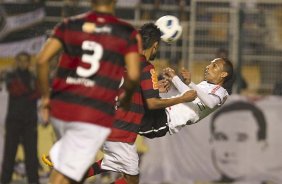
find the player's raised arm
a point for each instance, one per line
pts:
(170, 75)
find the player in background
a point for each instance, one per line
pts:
(96, 48)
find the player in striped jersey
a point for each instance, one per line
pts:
(96, 47)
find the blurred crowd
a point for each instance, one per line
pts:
(70, 8)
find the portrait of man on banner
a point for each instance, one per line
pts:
(238, 141)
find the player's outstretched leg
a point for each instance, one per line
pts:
(95, 169)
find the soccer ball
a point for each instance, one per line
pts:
(170, 28)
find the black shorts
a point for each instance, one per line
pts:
(154, 124)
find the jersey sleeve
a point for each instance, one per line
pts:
(220, 92)
(149, 82)
(59, 31)
(180, 86)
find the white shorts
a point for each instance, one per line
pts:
(120, 157)
(178, 116)
(75, 151)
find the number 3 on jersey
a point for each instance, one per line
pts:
(92, 59)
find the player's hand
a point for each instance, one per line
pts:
(124, 101)
(164, 85)
(44, 111)
(168, 73)
(189, 96)
(186, 75)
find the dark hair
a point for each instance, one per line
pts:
(229, 79)
(241, 105)
(102, 2)
(150, 34)
(23, 54)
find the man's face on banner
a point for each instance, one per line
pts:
(234, 143)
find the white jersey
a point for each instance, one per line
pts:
(199, 108)
(191, 112)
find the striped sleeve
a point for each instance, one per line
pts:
(59, 30)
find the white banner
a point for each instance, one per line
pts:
(31, 46)
(21, 21)
(241, 145)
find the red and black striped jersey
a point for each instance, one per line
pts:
(126, 124)
(91, 67)
(154, 121)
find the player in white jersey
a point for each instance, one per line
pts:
(212, 93)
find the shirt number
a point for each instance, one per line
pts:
(92, 59)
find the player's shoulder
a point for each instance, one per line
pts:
(210, 85)
(125, 25)
(76, 18)
(219, 91)
(69, 22)
(147, 66)
(144, 61)
(213, 88)
(122, 28)
(206, 85)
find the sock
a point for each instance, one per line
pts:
(95, 169)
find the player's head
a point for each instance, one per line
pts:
(106, 5)
(238, 135)
(220, 72)
(23, 60)
(151, 36)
